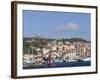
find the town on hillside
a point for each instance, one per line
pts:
(38, 51)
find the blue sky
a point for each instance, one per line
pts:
(50, 24)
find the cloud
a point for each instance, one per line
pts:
(70, 26)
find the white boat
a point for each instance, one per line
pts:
(87, 59)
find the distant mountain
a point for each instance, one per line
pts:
(77, 40)
(50, 39)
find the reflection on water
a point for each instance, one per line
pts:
(58, 64)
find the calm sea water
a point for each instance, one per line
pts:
(59, 64)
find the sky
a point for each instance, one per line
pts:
(52, 24)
